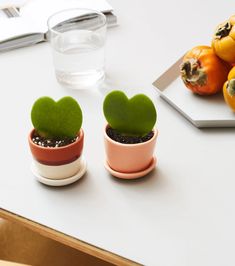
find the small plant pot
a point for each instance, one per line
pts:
(58, 163)
(130, 160)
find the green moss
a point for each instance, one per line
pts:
(56, 119)
(135, 116)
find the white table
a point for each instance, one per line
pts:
(182, 213)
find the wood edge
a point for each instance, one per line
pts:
(10, 263)
(68, 240)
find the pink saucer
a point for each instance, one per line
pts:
(132, 175)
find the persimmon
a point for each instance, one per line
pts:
(203, 72)
(229, 89)
(223, 40)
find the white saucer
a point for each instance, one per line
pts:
(132, 175)
(60, 182)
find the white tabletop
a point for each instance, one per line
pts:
(182, 213)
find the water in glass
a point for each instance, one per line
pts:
(79, 57)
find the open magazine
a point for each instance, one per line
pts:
(27, 25)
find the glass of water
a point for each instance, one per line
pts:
(77, 38)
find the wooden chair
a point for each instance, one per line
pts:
(8, 263)
(20, 244)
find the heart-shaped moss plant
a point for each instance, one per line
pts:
(134, 117)
(56, 119)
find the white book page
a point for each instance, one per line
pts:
(14, 27)
(12, 3)
(40, 10)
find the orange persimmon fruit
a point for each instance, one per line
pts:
(223, 40)
(229, 89)
(203, 72)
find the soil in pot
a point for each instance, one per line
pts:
(116, 136)
(52, 142)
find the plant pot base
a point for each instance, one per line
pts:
(60, 182)
(134, 175)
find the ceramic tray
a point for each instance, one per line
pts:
(210, 111)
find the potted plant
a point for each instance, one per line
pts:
(130, 136)
(56, 141)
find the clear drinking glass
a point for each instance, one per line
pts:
(77, 38)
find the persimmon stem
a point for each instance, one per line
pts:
(192, 72)
(231, 87)
(223, 31)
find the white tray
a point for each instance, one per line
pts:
(207, 111)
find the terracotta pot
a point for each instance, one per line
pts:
(59, 162)
(129, 158)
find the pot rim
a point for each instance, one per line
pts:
(80, 135)
(155, 131)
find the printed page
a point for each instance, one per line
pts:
(40, 10)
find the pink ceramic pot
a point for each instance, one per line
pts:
(129, 158)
